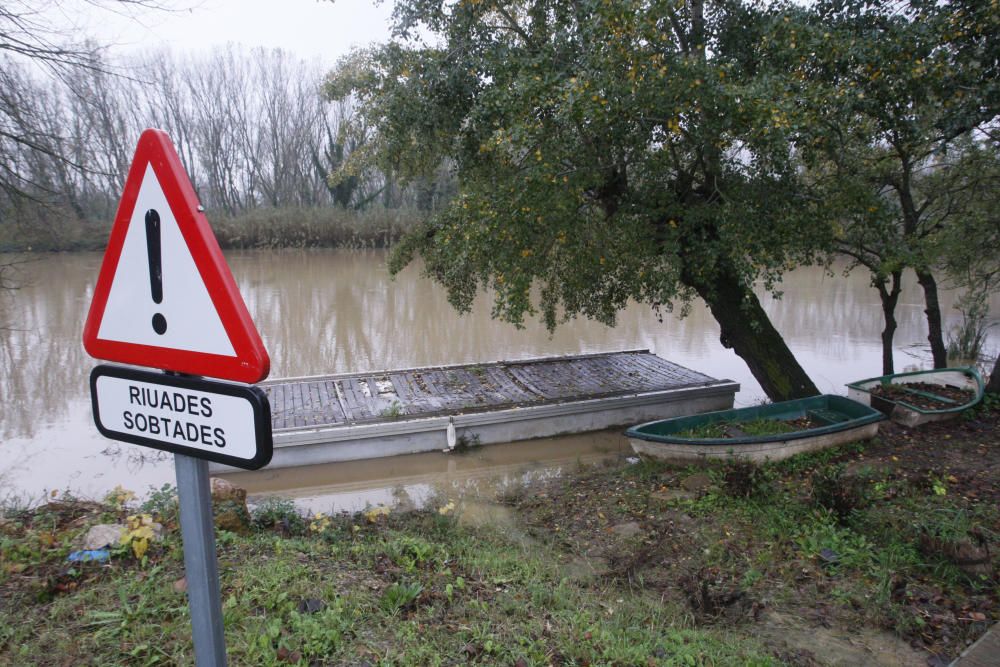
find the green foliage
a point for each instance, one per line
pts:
(400, 596)
(837, 492)
(393, 411)
(903, 116)
(413, 553)
(278, 513)
(605, 152)
(823, 536)
(742, 478)
(161, 503)
(321, 634)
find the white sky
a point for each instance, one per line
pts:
(307, 28)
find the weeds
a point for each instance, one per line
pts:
(161, 503)
(425, 588)
(278, 513)
(398, 597)
(325, 227)
(837, 492)
(742, 478)
(965, 340)
(393, 411)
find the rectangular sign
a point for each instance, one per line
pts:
(216, 421)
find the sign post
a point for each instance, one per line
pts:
(200, 565)
(166, 299)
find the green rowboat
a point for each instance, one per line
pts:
(763, 432)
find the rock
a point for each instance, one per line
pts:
(223, 491)
(971, 553)
(103, 535)
(181, 585)
(696, 483)
(229, 503)
(233, 518)
(311, 606)
(627, 530)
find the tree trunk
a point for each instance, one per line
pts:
(748, 331)
(933, 312)
(889, 299)
(993, 386)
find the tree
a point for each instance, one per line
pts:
(910, 81)
(971, 251)
(27, 36)
(604, 151)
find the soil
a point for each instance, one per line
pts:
(793, 606)
(894, 392)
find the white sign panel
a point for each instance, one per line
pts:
(217, 421)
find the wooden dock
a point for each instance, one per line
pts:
(351, 416)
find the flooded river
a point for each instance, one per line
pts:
(333, 311)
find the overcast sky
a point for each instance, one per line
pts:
(308, 28)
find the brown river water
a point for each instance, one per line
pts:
(332, 311)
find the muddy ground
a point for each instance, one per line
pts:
(911, 593)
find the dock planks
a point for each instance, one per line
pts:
(361, 398)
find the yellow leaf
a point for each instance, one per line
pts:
(139, 547)
(373, 514)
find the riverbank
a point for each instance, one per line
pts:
(885, 553)
(269, 228)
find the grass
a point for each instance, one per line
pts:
(412, 589)
(878, 548)
(752, 428)
(853, 539)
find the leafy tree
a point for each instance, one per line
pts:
(605, 150)
(971, 251)
(911, 81)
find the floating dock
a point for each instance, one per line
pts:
(326, 419)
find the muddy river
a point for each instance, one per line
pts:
(332, 311)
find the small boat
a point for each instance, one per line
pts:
(760, 433)
(919, 397)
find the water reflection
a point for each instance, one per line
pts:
(415, 480)
(328, 311)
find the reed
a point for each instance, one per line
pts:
(317, 227)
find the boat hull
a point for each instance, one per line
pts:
(911, 415)
(842, 421)
(775, 450)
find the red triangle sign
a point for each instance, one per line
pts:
(165, 296)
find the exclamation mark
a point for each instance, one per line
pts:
(155, 266)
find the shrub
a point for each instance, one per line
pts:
(742, 478)
(278, 513)
(838, 492)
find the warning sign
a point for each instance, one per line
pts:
(165, 296)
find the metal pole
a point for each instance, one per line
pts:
(202, 570)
